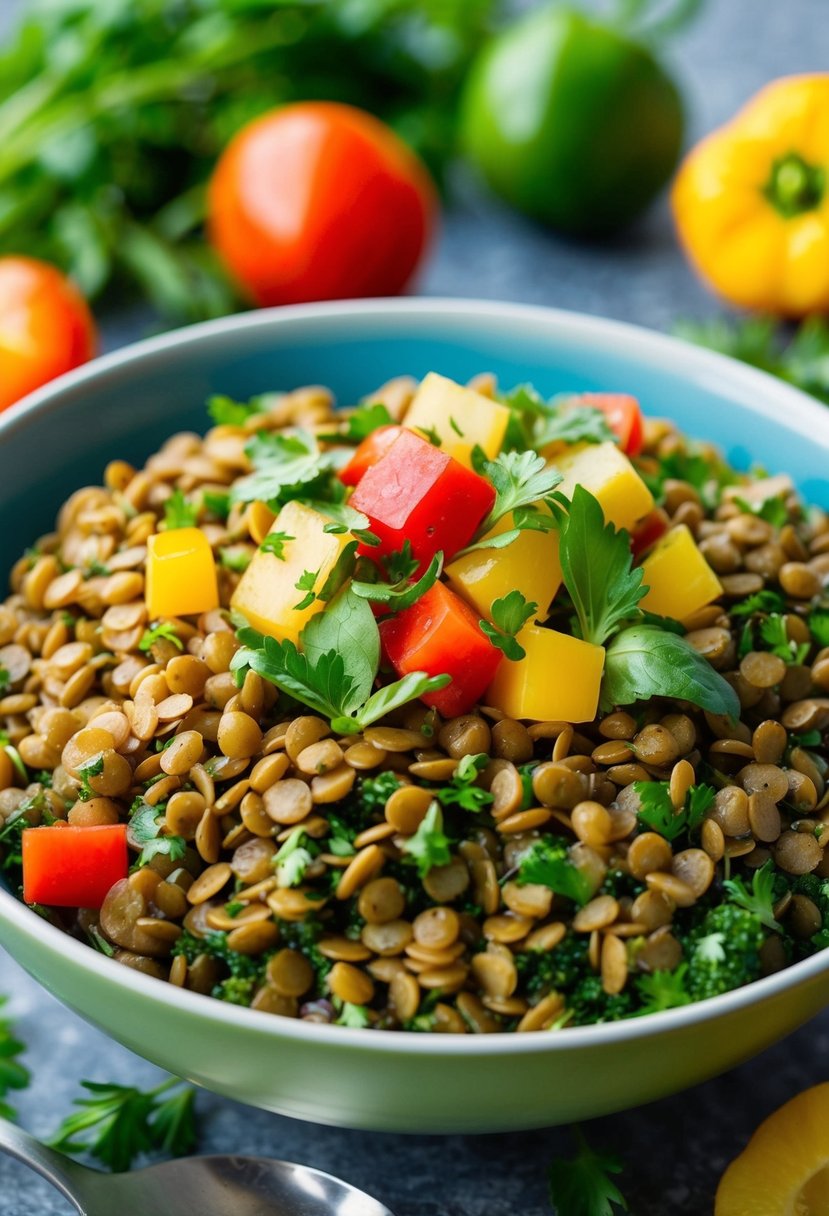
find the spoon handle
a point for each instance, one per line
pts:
(64, 1174)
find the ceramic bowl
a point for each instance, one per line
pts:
(124, 405)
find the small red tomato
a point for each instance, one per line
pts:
(624, 417)
(46, 327)
(320, 201)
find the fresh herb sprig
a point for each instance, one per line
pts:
(401, 593)
(162, 630)
(359, 423)
(658, 814)
(510, 614)
(583, 1186)
(429, 846)
(288, 466)
(179, 512)
(463, 790)
(535, 423)
(147, 829)
(13, 1074)
(757, 897)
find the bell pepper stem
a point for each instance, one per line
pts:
(795, 186)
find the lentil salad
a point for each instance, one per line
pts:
(429, 869)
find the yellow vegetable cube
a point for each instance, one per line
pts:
(267, 591)
(609, 476)
(558, 680)
(180, 578)
(529, 565)
(679, 577)
(460, 418)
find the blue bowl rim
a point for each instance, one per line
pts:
(763, 393)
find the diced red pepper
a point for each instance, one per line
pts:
(440, 634)
(373, 447)
(416, 492)
(648, 531)
(73, 867)
(624, 417)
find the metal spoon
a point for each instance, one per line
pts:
(194, 1186)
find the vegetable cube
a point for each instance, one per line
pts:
(368, 453)
(529, 565)
(679, 579)
(418, 493)
(440, 633)
(267, 593)
(181, 574)
(460, 417)
(608, 474)
(65, 866)
(557, 680)
(624, 417)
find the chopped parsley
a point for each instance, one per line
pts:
(165, 630)
(510, 614)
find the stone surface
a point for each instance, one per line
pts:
(673, 1150)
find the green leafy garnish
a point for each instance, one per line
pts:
(13, 1074)
(663, 990)
(644, 661)
(275, 543)
(288, 466)
(225, 411)
(767, 600)
(179, 513)
(510, 614)
(775, 637)
(163, 629)
(216, 503)
(292, 859)
(705, 472)
(355, 1016)
(235, 559)
(773, 509)
(93, 767)
(146, 829)
(360, 423)
(462, 790)
(758, 898)
(548, 863)
(117, 1123)
(534, 423)
(582, 1186)
(335, 672)
(597, 568)
(656, 810)
(429, 846)
(306, 582)
(520, 479)
(818, 622)
(5, 679)
(574, 424)
(402, 593)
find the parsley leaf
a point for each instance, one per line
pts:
(307, 582)
(117, 1123)
(292, 860)
(401, 564)
(287, 467)
(93, 767)
(535, 423)
(510, 614)
(146, 828)
(462, 790)
(657, 811)
(520, 479)
(13, 1074)
(644, 661)
(178, 512)
(574, 424)
(818, 622)
(224, 411)
(403, 593)
(758, 898)
(581, 1186)
(597, 568)
(775, 635)
(216, 503)
(275, 543)
(360, 423)
(773, 510)
(429, 846)
(548, 863)
(767, 600)
(663, 990)
(163, 629)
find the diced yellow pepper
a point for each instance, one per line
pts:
(558, 680)
(267, 591)
(529, 565)
(679, 577)
(180, 578)
(608, 474)
(460, 417)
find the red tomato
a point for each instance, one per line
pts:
(368, 453)
(45, 327)
(320, 201)
(624, 417)
(68, 866)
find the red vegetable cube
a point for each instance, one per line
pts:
(68, 866)
(624, 417)
(373, 447)
(440, 634)
(416, 492)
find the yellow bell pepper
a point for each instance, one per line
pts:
(180, 578)
(529, 565)
(459, 417)
(558, 679)
(267, 593)
(751, 201)
(678, 577)
(610, 477)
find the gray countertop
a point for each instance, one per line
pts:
(674, 1150)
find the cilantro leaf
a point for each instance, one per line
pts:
(292, 859)
(162, 629)
(179, 513)
(173, 1125)
(360, 423)
(520, 479)
(401, 594)
(597, 568)
(663, 990)
(307, 582)
(287, 467)
(401, 564)
(275, 543)
(644, 661)
(758, 898)
(225, 411)
(462, 790)
(818, 622)
(774, 633)
(510, 614)
(429, 846)
(534, 423)
(216, 503)
(93, 767)
(657, 811)
(773, 509)
(581, 1186)
(13, 1074)
(548, 863)
(573, 424)
(767, 600)
(146, 828)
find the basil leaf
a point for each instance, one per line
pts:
(644, 661)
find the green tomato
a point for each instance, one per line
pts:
(571, 122)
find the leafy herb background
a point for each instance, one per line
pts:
(673, 1150)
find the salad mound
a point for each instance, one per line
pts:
(457, 710)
